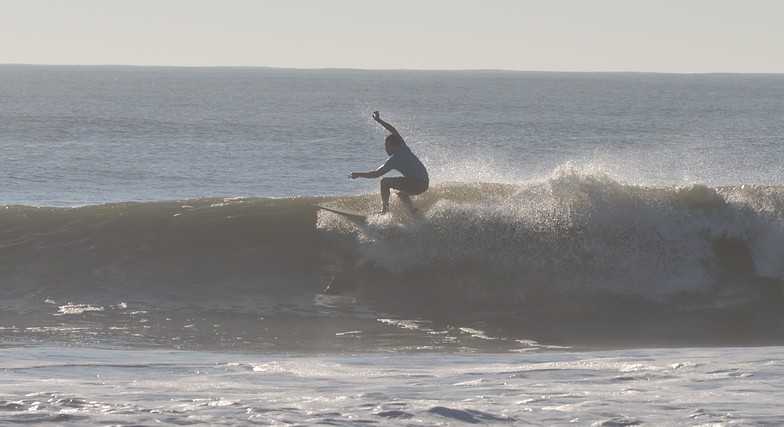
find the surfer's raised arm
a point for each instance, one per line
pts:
(386, 125)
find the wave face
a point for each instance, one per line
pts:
(576, 259)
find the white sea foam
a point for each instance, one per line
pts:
(662, 387)
(77, 309)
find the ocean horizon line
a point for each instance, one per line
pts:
(403, 69)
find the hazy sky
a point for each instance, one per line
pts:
(553, 35)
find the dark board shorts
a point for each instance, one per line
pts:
(412, 187)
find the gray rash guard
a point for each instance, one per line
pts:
(405, 162)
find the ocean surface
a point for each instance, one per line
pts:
(595, 248)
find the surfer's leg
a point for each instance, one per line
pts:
(412, 187)
(406, 201)
(386, 184)
(405, 187)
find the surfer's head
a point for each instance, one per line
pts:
(392, 143)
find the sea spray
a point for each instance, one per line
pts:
(576, 233)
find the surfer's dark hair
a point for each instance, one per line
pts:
(394, 139)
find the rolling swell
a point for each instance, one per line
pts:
(576, 259)
(210, 252)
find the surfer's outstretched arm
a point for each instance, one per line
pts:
(386, 125)
(374, 174)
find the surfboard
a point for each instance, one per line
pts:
(354, 217)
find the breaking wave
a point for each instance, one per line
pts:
(577, 254)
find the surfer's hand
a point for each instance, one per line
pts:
(352, 175)
(376, 116)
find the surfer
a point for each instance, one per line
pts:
(414, 180)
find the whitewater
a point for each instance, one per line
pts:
(595, 248)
